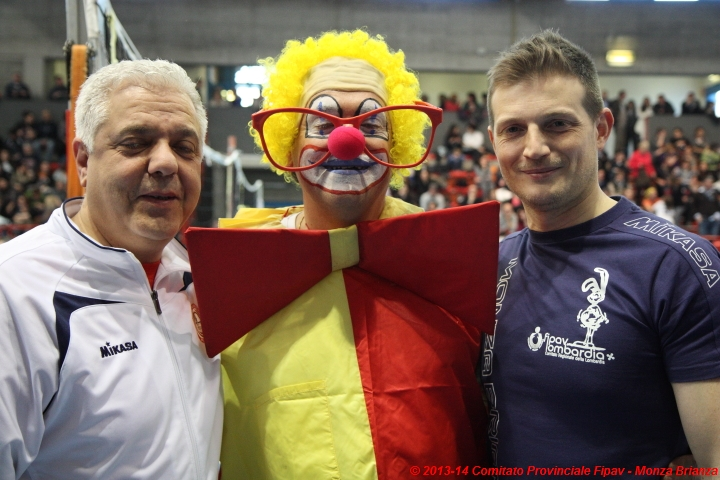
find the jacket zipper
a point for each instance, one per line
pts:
(181, 386)
(156, 302)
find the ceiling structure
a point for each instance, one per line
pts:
(439, 35)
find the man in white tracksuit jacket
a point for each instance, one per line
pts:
(103, 373)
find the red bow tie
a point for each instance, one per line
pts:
(244, 276)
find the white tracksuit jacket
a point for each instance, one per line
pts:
(98, 380)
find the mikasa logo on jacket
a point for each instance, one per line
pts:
(108, 350)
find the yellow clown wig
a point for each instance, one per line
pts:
(286, 86)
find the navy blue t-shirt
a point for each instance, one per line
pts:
(593, 324)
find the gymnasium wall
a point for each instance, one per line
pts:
(440, 35)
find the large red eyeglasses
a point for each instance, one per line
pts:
(373, 124)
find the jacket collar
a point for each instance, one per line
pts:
(174, 256)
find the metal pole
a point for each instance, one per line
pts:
(71, 21)
(229, 191)
(229, 180)
(93, 35)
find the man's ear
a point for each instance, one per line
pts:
(604, 125)
(81, 160)
(491, 136)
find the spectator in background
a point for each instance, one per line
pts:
(663, 107)
(656, 205)
(432, 206)
(47, 130)
(23, 177)
(618, 183)
(679, 139)
(59, 91)
(9, 207)
(486, 176)
(682, 170)
(641, 166)
(502, 193)
(691, 105)
(11, 142)
(6, 196)
(660, 138)
(509, 221)
(451, 104)
(455, 159)
(6, 168)
(472, 141)
(29, 157)
(44, 177)
(643, 114)
(471, 197)
(23, 126)
(419, 183)
(453, 138)
(710, 156)
(619, 111)
(707, 207)
(22, 214)
(631, 119)
(442, 99)
(665, 168)
(16, 89)
(471, 110)
(699, 141)
(619, 162)
(403, 193)
(710, 112)
(433, 196)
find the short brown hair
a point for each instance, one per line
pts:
(544, 54)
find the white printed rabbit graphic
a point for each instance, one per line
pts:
(592, 317)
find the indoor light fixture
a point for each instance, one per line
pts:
(620, 58)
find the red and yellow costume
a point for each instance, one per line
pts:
(365, 366)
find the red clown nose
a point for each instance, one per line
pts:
(346, 143)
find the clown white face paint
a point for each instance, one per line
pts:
(343, 177)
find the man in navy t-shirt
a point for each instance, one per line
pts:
(606, 353)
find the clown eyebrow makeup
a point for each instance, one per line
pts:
(375, 126)
(319, 127)
(367, 105)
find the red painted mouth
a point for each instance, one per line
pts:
(346, 192)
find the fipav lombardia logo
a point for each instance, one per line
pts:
(590, 318)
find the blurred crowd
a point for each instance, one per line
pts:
(675, 175)
(16, 89)
(32, 172)
(32, 162)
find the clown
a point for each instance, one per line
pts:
(353, 362)
(343, 173)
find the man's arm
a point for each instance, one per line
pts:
(699, 407)
(27, 374)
